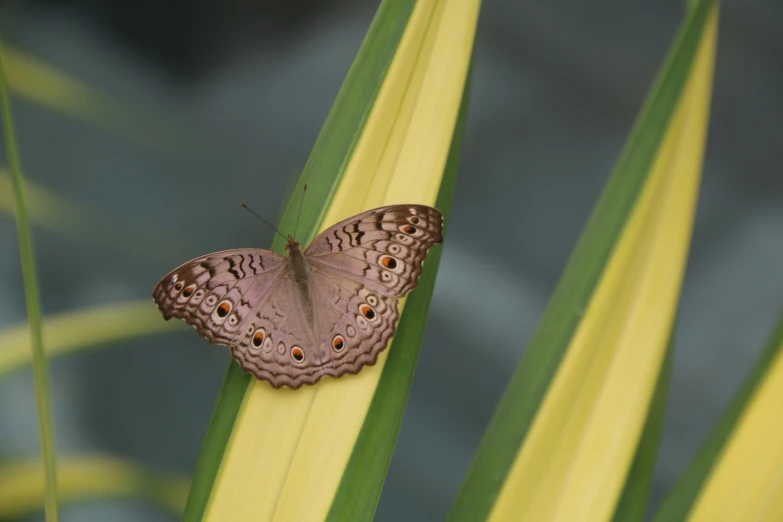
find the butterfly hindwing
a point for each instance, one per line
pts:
(277, 343)
(353, 324)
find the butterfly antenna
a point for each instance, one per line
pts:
(296, 228)
(270, 225)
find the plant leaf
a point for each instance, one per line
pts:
(386, 140)
(33, 301)
(88, 478)
(633, 502)
(82, 329)
(361, 484)
(569, 422)
(736, 474)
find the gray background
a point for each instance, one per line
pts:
(556, 88)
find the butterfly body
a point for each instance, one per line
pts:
(300, 272)
(328, 310)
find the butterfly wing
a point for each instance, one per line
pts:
(246, 299)
(278, 345)
(353, 324)
(359, 268)
(216, 293)
(384, 249)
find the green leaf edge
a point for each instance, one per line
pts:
(362, 482)
(681, 498)
(519, 404)
(33, 300)
(322, 173)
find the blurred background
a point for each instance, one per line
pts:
(200, 105)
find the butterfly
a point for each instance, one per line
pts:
(328, 310)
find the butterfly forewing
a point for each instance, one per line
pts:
(383, 248)
(201, 290)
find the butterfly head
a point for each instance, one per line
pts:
(293, 246)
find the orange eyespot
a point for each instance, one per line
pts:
(414, 220)
(338, 343)
(178, 286)
(297, 354)
(258, 337)
(188, 291)
(367, 312)
(388, 262)
(224, 308)
(408, 229)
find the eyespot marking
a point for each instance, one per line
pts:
(258, 337)
(413, 220)
(280, 348)
(211, 300)
(388, 262)
(394, 248)
(223, 308)
(297, 354)
(409, 229)
(188, 291)
(338, 343)
(178, 286)
(198, 294)
(367, 311)
(233, 320)
(402, 238)
(372, 300)
(361, 322)
(385, 276)
(350, 330)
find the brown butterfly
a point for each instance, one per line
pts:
(329, 310)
